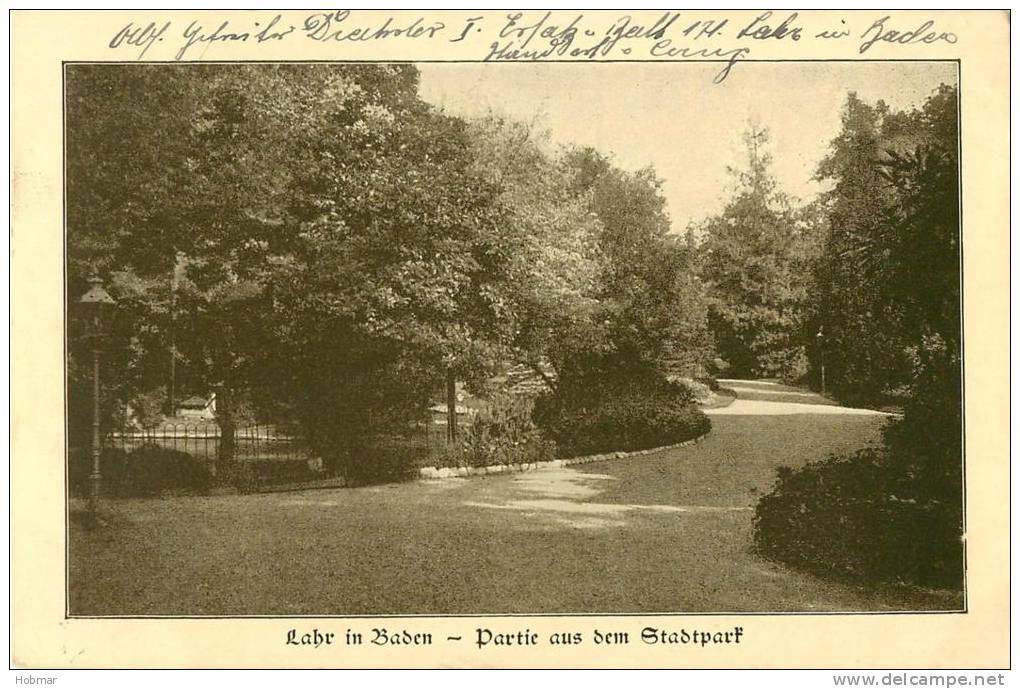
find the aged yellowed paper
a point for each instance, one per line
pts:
(265, 263)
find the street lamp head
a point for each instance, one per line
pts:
(96, 293)
(96, 305)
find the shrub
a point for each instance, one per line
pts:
(863, 518)
(248, 475)
(502, 433)
(889, 515)
(612, 406)
(382, 460)
(144, 471)
(630, 422)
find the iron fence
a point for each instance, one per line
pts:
(252, 443)
(267, 444)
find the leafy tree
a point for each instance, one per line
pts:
(922, 277)
(549, 241)
(653, 310)
(889, 275)
(182, 187)
(755, 257)
(403, 274)
(147, 408)
(116, 165)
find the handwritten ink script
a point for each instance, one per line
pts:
(532, 36)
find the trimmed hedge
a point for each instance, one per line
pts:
(625, 414)
(862, 518)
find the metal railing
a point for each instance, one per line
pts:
(252, 442)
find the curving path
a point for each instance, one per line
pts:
(666, 532)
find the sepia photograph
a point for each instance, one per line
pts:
(449, 339)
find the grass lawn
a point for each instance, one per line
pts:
(667, 532)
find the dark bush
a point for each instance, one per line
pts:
(382, 460)
(144, 471)
(628, 422)
(883, 515)
(617, 406)
(928, 440)
(862, 518)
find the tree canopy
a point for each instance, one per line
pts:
(318, 241)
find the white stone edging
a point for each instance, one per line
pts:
(463, 472)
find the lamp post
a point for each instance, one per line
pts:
(96, 306)
(821, 354)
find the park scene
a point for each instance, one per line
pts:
(399, 339)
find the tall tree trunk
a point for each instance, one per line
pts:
(225, 420)
(451, 406)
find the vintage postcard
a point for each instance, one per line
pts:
(510, 338)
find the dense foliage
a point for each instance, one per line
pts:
(862, 519)
(611, 391)
(382, 459)
(652, 307)
(888, 299)
(889, 277)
